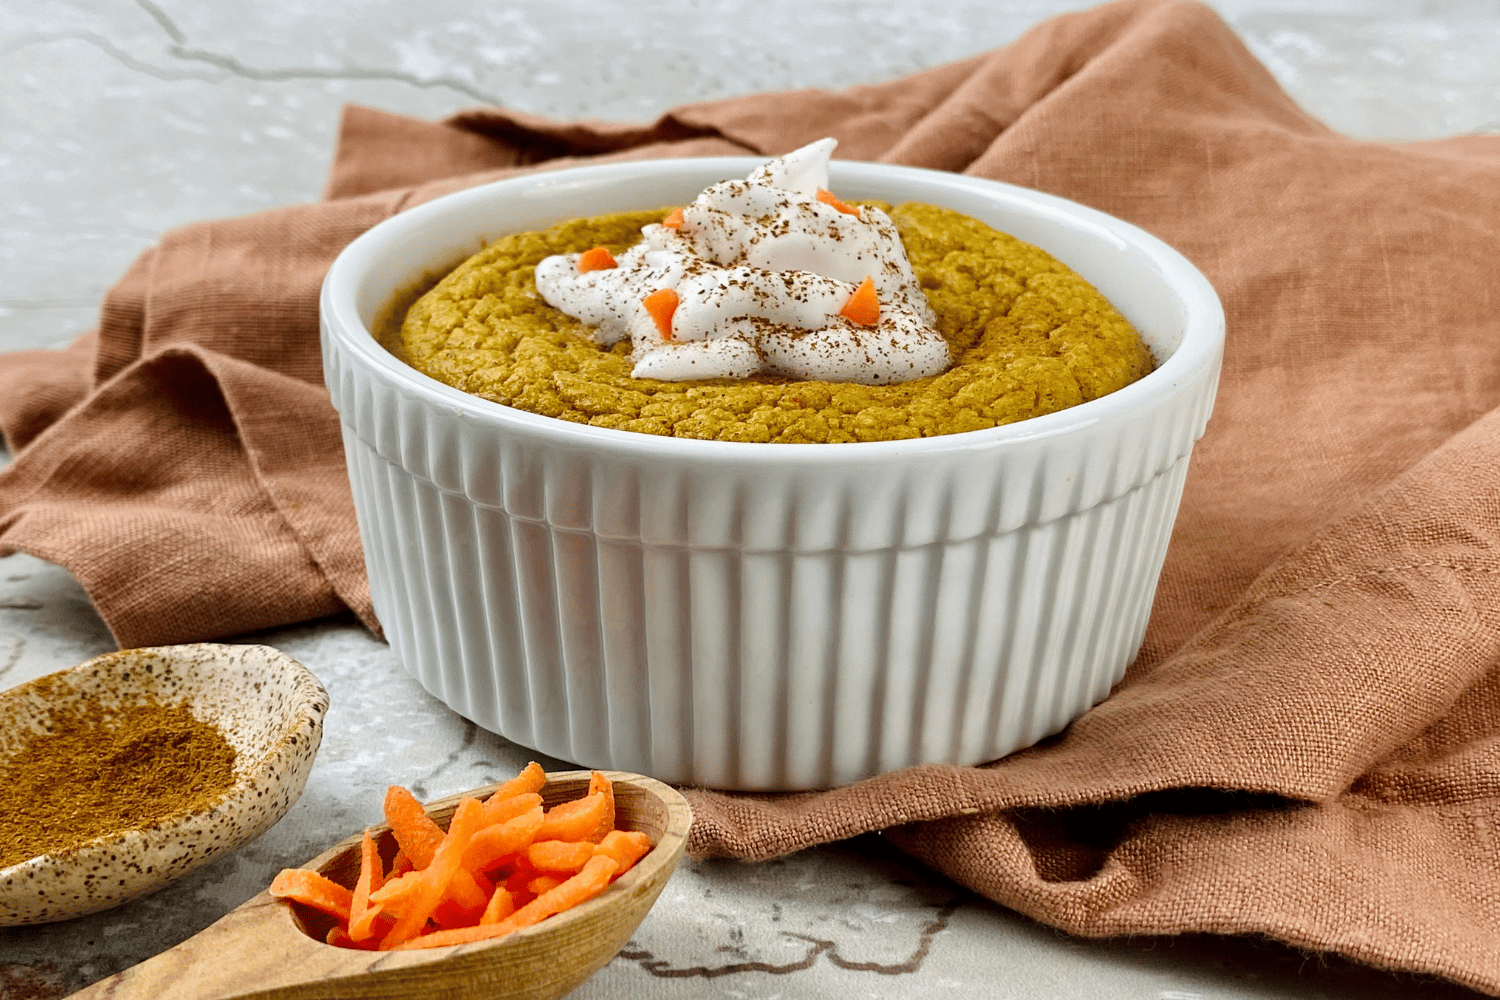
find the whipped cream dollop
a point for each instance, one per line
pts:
(757, 275)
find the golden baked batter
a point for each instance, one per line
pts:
(1028, 334)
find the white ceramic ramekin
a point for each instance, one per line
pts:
(763, 616)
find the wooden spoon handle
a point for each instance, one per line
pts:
(254, 950)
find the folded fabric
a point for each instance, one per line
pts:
(1308, 745)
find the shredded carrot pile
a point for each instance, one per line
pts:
(503, 863)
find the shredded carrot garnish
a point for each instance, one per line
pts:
(396, 888)
(317, 891)
(587, 884)
(600, 785)
(531, 779)
(661, 304)
(502, 864)
(463, 888)
(502, 904)
(413, 829)
(500, 810)
(436, 876)
(450, 913)
(518, 884)
(863, 306)
(371, 878)
(625, 846)
(543, 883)
(490, 847)
(829, 198)
(597, 259)
(674, 219)
(573, 820)
(371, 927)
(559, 855)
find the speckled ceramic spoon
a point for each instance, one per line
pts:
(270, 709)
(269, 949)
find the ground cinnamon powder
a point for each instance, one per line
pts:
(96, 772)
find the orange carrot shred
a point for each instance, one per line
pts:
(396, 889)
(829, 198)
(674, 219)
(447, 915)
(863, 306)
(661, 304)
(597, 259)
(626, 847)
(371, 926)
(573, 820)
(436, 876)
(488, 848)
(559, 855)
(600, 785)
(500, 810)
(310, 888)
(502, 904)
(522, 872)
(458, 935)
(400, 864)
(464, 889)
(531, 779)
(542, 883)
(370, 880)
(413, 829)
(584, 886)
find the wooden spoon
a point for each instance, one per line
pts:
(268, 948)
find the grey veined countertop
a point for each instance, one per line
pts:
(122, 118)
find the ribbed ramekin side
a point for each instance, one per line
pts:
(626, 679)
(1022, 678)
(852, 662)
(1119, 565)
(426, 616)
(1162, 505)
(499, 684)
(791, 663)
(430, 561)
(611, 614)
(856, 667)
(382, 507)
(1100, 619)
(358, 457)
(361, 399)
(787, 670)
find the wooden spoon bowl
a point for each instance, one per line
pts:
(269, 707)
(269, 948)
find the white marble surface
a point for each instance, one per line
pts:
(122, 118)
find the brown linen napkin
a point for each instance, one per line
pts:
(1308, 746)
